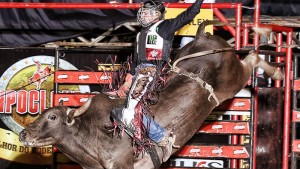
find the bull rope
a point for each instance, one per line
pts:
(198, 54)
(193, 76)
(202, 84)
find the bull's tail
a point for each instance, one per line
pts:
(202, 26)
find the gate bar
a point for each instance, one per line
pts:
(107, 5)
(287, 105)
(287, 91)
(237, 33)
(278, 58)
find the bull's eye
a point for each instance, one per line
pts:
(52, 117)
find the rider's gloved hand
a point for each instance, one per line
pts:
(124, 89)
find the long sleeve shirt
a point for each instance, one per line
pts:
(167, 28)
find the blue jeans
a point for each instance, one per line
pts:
(156, 132)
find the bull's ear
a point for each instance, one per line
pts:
(83, 108)
(70, 116)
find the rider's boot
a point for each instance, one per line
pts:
(123, 117)
(117, 114)
(166, 144)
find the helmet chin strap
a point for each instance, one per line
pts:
(153, 21)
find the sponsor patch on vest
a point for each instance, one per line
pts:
(152, 39)
(153, 54)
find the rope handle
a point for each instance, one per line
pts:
(198, 54)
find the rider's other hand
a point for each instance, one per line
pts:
(124, 89)
(128, 79)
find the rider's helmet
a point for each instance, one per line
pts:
(150, 12)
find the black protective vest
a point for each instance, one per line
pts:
(151, 46)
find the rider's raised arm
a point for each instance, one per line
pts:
(169, 26)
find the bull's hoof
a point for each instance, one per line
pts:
(278, 75)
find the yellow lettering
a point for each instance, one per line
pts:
(24, 149)
(44, 150)
(9, 146)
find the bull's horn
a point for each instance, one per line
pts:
(83, 108)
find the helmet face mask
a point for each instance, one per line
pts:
(147, 16)
(150, 12)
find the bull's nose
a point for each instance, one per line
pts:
(22, 135)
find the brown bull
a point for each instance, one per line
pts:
(183, 106)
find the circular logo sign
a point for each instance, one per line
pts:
(26, 89)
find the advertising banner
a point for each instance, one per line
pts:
(23, 95)
(190, 162)
(13, 150)
(191, 28)
(26, 90)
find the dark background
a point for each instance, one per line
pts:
(30, 27)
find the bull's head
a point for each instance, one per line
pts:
(51, 126)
